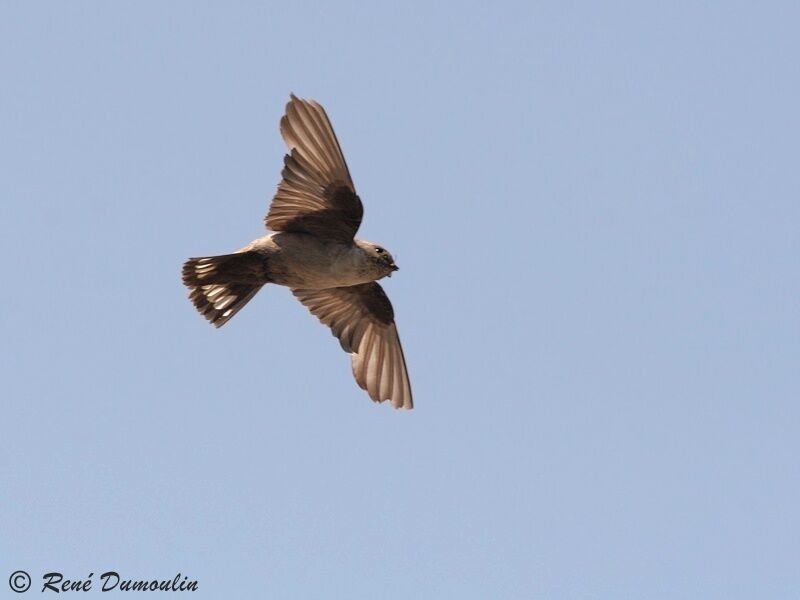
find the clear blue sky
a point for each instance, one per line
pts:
(596, 211)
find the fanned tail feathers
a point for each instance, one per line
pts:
(221, 285)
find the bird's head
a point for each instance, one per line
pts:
(380, 257)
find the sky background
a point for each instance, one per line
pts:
(596, 212)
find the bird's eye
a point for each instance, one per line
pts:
(379, 250)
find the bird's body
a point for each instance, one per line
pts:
(301, 260)
(315, 215)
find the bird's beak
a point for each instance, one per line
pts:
(394, 268)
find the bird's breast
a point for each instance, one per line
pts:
(304, 261)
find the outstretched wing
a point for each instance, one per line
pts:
(316, 194)
(362, 317)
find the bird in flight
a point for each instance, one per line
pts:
(313, 251)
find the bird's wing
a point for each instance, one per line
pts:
(362, 317)
(316, 194)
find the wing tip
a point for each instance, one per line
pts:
(409, 405)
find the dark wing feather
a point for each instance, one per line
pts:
(316, 194)
(362, 317)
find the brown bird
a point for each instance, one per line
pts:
(315, 215)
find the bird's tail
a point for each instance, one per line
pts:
(221, 285)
